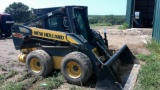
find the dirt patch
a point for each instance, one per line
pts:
(8, 56)
(134, 38)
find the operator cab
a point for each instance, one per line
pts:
(57, 23)
(78, 21)
(70, 19)
(80, 17)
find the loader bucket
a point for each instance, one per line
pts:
(119, 72)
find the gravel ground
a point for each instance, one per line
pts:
(8, 56)
(134, 38)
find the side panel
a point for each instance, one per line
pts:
(58, 54)
(57, 61)
(54, 35)
(22, 35)
(156, 28)
(19, 32)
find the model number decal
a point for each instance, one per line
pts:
(18, 35)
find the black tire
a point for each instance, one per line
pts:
(39, 63)
(81, 61)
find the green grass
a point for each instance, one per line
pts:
(75, 88)
(149, 75)
(10, 74)
(123, 27)
(53, 82)
(3, 77)
(102, 24)
(13, 86)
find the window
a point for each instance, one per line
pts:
(137, 15)
(55, 23)
(81, 23)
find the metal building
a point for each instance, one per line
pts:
(144, 14)
(156, 26)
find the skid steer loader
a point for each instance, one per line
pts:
(62, 39)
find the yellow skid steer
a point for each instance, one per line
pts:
(62, 39)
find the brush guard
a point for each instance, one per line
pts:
(119, 72)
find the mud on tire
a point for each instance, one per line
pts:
(39, 63)
(76, 67)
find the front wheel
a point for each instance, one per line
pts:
(39, 63)
(76, 67)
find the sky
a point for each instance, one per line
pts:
(95, 7)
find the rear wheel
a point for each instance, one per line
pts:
(76, 67)
(39, 63)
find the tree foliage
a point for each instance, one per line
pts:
(106, 19)
(19, 11)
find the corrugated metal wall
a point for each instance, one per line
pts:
(156, 28)
(129, 12)
(156, 22)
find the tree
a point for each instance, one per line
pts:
(107, 19)
(19, 11)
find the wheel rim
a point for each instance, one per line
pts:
(73, 69)
(35, 65)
